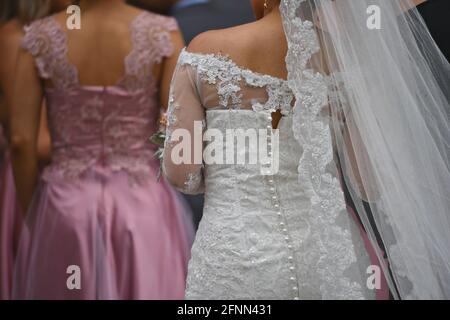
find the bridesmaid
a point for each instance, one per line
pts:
(14, 15)
(102, 226)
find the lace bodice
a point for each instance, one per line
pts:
(46, 40)
(259, 237)
(205, 82)
(109, 126)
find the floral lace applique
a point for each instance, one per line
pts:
(47, 42)
(172, 120)
(194, 180)
(229, 79)
(312, 130)
(88, 127)
(150, 35)
(194, 183)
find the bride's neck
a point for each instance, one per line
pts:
(274, 13)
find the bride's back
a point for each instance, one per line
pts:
(259, 46)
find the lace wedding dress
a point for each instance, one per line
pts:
(261, 236)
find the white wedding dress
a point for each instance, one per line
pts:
(260, 237)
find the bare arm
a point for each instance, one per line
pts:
(25, 101)
(9, 50)
(10, 38)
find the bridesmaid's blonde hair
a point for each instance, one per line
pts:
(30, 10)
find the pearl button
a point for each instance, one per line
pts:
(270, 181)
(296, 298)
(279, 213)
(293, 279)
(291, 268)
(289, 246)
(286, 238)
(282, 224)
(285, 230)
(295, 288)
(276, 206)
(291, 258)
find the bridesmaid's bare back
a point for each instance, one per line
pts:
(99, 49)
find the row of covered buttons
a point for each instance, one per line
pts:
(282, 222)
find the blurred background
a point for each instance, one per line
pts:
(197, 16)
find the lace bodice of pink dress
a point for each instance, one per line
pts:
(103, 125)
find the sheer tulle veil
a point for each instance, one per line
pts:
(382, 129)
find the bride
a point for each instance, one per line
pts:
(347, 107)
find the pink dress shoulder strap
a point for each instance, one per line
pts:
(150, 34)
(47, 42)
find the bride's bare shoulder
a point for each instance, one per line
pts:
(233, 41)
(258, 45)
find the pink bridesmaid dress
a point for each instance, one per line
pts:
(101, 225)
(10, 222)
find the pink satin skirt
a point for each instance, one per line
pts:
(10, 224)
(102, 237)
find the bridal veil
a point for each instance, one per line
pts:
(384, 124)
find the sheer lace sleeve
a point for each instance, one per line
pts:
(183, 160)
